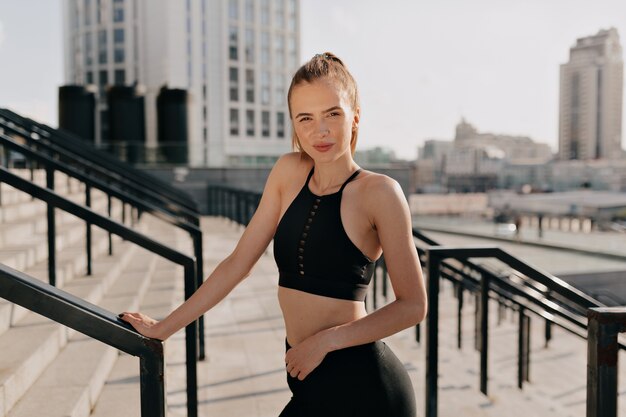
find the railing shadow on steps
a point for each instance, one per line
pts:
(95, 322)
(137, 195)
(523, 287)
(191, 331)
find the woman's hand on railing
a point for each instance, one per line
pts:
(145, 325)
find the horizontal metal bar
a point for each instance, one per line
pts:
(94, 218)
(101, 185)
(70, 311)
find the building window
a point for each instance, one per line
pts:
(265, 124)
(250, 122)
(120, 77)
(118, 54)
(250, 46)
(265, 87)
(265, 12)
(293, 56)
(279, 10)
(102, 46)
(89, 77)
(234, 122)
(87, 12)
(100, 12)
(280, 124)
(292, 15)
(250, 86)
(232, 43)
(265, 48)
(249, 11)
(233, 76)
(233, 9)
(118, 15)
(88, 49)
(103, 81)
(280, 98)
(118, 36)
(279, 56)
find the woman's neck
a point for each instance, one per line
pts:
(328, 176)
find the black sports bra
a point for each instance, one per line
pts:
(313, 252)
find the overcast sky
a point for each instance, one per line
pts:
(420, 65)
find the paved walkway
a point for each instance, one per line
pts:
(612, 244)
(558, 252)
(244, 371)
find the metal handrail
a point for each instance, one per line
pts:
(436, 255)
(602, 348)
(162, 210)
(71, 142)
(142, 187)
(95, 322)
(191, 331)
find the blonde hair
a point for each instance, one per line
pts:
(325, 65)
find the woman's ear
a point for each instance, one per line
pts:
(355, 121)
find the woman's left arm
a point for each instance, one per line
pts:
(390, 215)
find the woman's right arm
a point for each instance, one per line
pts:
(232, 270)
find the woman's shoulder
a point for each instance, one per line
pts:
(376, 184)
(289, 167)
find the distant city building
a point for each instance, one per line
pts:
(475, 161)
(590, 103)
(375, 156)
(234, 57)
(515, 148)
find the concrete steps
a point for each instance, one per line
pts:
(47, 369)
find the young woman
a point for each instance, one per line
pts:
(329, 220)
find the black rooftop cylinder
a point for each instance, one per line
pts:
(172, 126)
(77, 106)
(127, 131)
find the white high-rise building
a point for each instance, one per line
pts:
(590, 116)
(234, 57)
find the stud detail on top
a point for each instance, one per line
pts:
(305, 235)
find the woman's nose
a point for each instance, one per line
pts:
(323, 129)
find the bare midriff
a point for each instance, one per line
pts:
(307, 314)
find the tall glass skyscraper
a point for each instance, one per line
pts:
(591, 94)
(234, 57)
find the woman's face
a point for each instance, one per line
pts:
(323, 119)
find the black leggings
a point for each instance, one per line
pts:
(360, 381)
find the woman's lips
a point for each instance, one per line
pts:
(323, 147)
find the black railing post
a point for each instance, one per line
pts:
(152, 381)
(523, 348)
(88, 238)
(375, 291)
(548, 332)
(476, 322)
(197, 245)
(191, 346)
(432, 331)
(602, 348)
(484, 332)
(109, 210)
(459, 316)
(384, 265)
(52, 269)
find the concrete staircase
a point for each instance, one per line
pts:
(47, 369)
